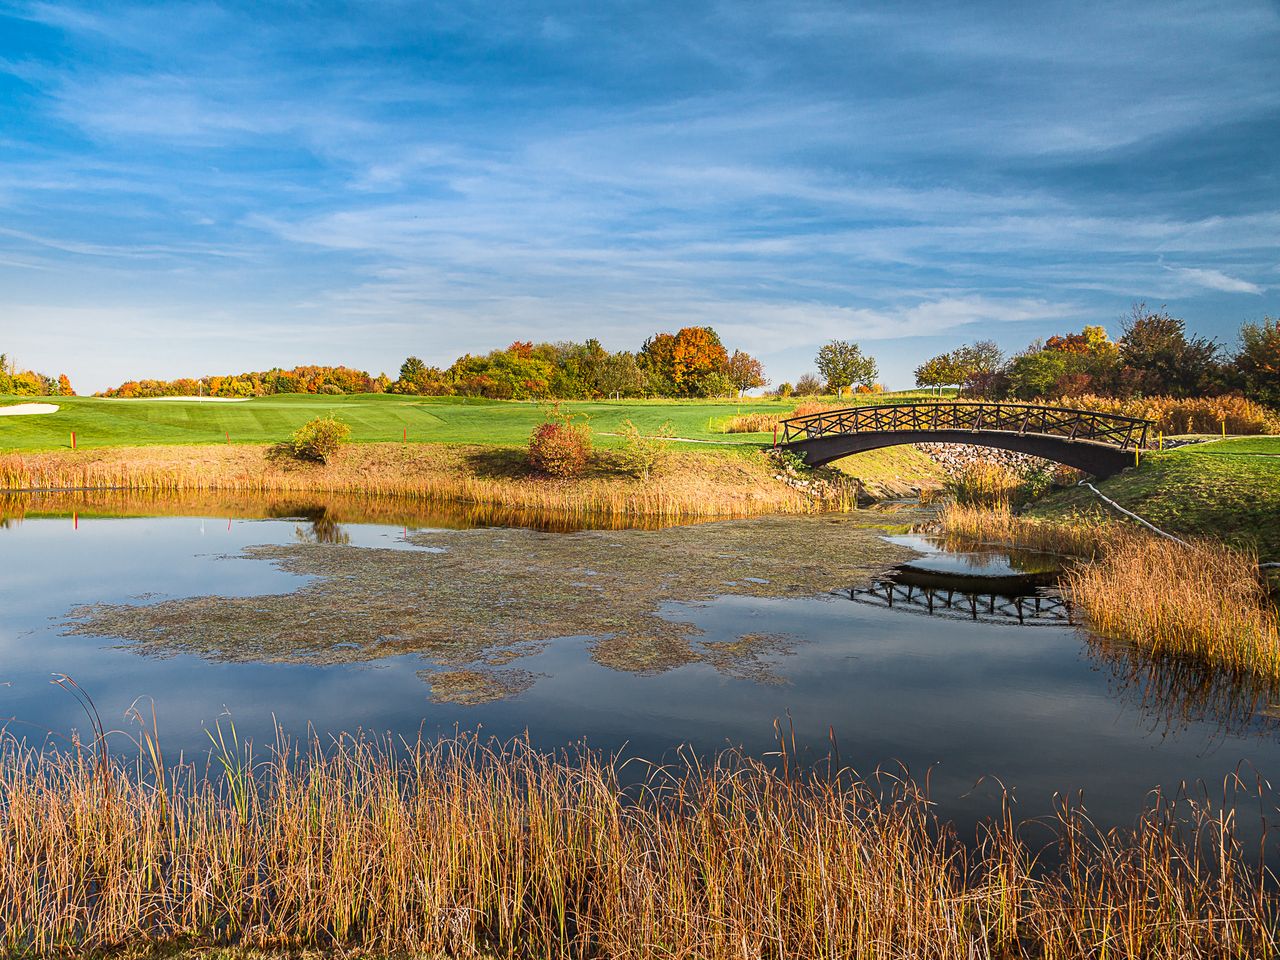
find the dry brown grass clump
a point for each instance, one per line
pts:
(986, 484)
(691, 485)
(765, 422)
(1188, 414)
(457, 848)
(754, 422)
(967, 524)
(1205, 601)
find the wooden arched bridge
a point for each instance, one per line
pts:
(1097, 443)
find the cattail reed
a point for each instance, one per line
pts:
(461, 848)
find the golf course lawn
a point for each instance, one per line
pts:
(1225, 489)
(101, 422)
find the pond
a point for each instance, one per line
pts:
(966, 668)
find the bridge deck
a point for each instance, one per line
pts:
(1125, 433)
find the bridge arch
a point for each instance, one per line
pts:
(1097, 443)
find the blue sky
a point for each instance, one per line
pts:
(199, 188)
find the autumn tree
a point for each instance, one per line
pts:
(745, 372)
(657, 360)
(1257, 362)
(1163, 359)
(700, 360)
(808, 385)
(843, 364)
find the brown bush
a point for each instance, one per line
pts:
(560, 449)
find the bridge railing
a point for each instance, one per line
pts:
(1123, 432)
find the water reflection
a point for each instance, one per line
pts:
(1176, 693)
(642, 640)
(989, 585)
(327, 512)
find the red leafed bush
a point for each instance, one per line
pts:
(560, 449)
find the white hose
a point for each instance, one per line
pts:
(1152, 527)
(1129, 513)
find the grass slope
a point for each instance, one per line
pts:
(1228, 489)
(373, 417)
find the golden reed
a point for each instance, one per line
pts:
(1205, 601)
(691, 484)
(458, 848)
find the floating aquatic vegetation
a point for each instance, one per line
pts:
(486, 597)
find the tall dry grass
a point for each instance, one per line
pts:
(765, 422)
(965, 524)
(1204, 601)
(691, 485)
(458, 848)
(1188, 414)
(981, 483)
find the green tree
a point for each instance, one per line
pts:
(1034, 374)
(938, 372)
(620, 376)
(843, 364)
(1164, 360)
(1257, 362)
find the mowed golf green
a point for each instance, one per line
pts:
(372, 417)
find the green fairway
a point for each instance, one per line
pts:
(1228, 489)
(372, 417)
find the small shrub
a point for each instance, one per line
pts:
(784, 390)
(332, 389)
(641, 455)
(559, 447)
(319, 439)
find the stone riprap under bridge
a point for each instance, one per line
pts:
(1097, 443)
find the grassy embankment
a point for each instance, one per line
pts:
(457, 849)
(458, 450)
(1205, 601)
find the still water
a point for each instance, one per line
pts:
(919, 668)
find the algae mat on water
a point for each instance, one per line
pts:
(472, 602)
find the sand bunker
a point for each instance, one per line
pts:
(25, 409)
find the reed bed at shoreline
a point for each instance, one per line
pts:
(1202, 600)
(691, 485)
(1083, 537)
(463, 848)
(987, 484)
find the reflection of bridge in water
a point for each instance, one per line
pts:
(1038, 608)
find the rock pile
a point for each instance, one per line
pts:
(954, 458)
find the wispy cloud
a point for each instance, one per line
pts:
(1217, 280)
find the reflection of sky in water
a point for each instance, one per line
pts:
(982, 563)
(1026, 706)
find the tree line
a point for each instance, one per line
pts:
(690, 363)
(29, 383)
(1154, 356)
